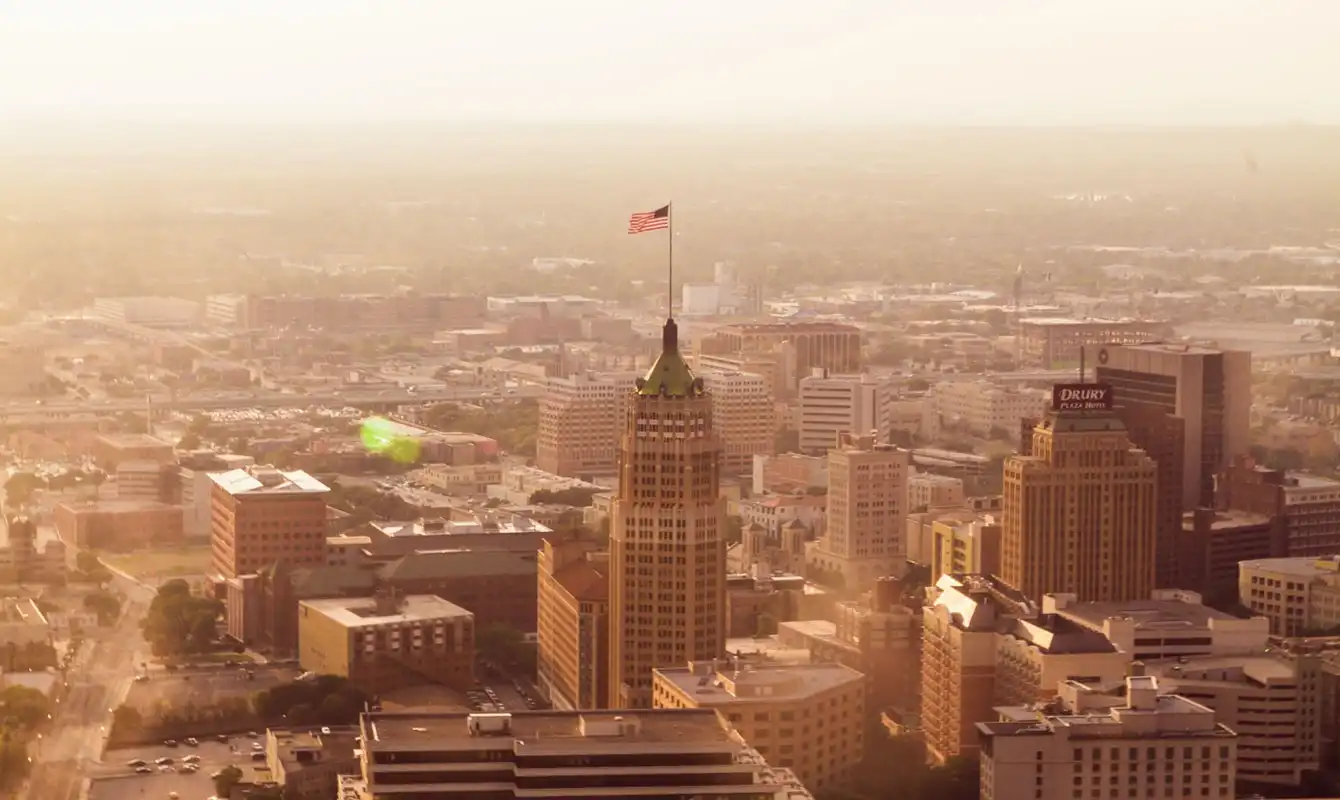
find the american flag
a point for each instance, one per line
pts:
(644, 221)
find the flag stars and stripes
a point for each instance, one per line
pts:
(644, 221)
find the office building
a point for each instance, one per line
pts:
(985, 645)
(1170, 624)
(843, 404)
(831, 346)
(1163, 438)
(580, 418)
(867, 508)
(110, 449)
(197, 490)
(1215, 542)
(308, 763)
(926, 490)
(982, 408)
(1300, 596)
(745, 418)
(119, 525)
(1137, 743)
(388, 642)
(1306, 508)
(1056, 343)
(806, 717)
(148, 311)
(662, 754)
(777, 366)
(965, 547)
(572, 647)
(1080, 514)
(262, 515)
(1211, 390)
(1272, 699)
(667, 545)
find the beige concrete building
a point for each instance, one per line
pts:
(1056, 343)
(1170, 624)
(745, 420)
(832, 346)
(388, 642)
(572, 632)
(926, 490)
(262, 515)
(830, 405)
(867, 507)
(652, 754)
(1211, 390)
(464, 480)
(777, 366)
(580, 418)
(806, 717)
(667, 545)
(1299, 596)
(1080, 514)
(984, 645)
(983, 408)
(1138, 743)
(965, 547)
(1271, 699)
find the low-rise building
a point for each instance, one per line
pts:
(388, 642)
(1170, 624)
(1271, 699)
(653, 753)
(926, 490)
(119, 524)
(983, 408)
(110, 449)
(806, 717)
(308, 763)
(1142, 743)
(488, 530)
(1299, 596)
(1213, 542)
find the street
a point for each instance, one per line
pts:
(98, 680)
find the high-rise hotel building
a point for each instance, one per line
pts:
(667, 555)
(580, 417)
(1080, 513)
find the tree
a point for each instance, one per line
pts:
(323, 700)
(86, 561)
(26, 707)
(228, 777)
(20, 487)
(188, 441)
(14, 764)
(127, 719)
(501, 644)
(179, 622)
(105, 605)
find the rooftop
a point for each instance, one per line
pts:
(1145, 613)
(1304, 480)
(711, 684)
(584, 581)
(1262, 668)
(440, 564)
(1172, 348)
(1299, 566)
(132, 440)
(389, 730)
(258, 480)
(670, 376)
(118, 506)
(485, 523)
(354, 612)
(1226, 520)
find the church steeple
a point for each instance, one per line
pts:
(670, 376)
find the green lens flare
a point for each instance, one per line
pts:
(379, 435)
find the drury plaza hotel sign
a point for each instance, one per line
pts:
(1081, 397)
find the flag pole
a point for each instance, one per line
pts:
(670, 255)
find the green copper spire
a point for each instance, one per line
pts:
(670, 376)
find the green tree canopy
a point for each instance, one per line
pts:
(180, 622)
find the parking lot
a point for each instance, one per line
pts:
(117, 778)
(204, 686)
(505, 697)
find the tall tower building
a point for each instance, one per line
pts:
(1211, 390)
(867, 511)
(1080, 514)
(580, 419)
(667, 555)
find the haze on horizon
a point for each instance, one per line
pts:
(1031, 62)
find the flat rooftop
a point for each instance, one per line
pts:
(759, 683)
(1261, 668)
(389, 730)
(132, 440)
(1304, 480)
(354, 612)
(1225, 520)
(267, 481)
(1146, 614)
(1300, 566)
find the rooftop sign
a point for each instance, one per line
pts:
(1082, 397)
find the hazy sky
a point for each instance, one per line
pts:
(934, 61)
